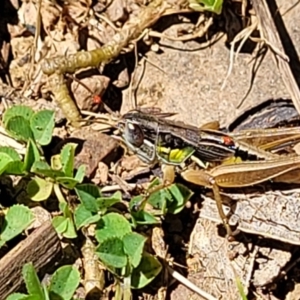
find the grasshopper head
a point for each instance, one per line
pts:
(132, 133)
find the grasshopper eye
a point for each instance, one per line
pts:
(134, 134)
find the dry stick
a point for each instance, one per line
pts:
(290, 8)
(58, 66)
(270, 33)
(190, 285)
(63, 99)
(243, 37)
(130, 31)
(94, 280)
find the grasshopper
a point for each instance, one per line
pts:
(211, 145)
(247, 173)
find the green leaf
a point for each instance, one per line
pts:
(15, 168)
(63, 206)
(87, 194)
(133, 247)
(181, 195)
(64, 282)
(155, 182)
(14, 155)
(17, 219)
(32, 297)
(2, 216)
(137, 203)
(80, 173)
(40, 165)
(42, 125)
(111, 253)
(67, 182)
(67, 155)
(17, 110)
(146, 271)
(19, 128)
(214, 6)
(103, 202)
(84, 217)
(241, 289)
(112, 225)
(171, 199)
(39, 189)
(43, 169)
(70, 232)
(159, 199)
(5, 159)
(32, 281)
(144, 218)
(32, 155)
(60, 223)
(64, 224)
(19, 296)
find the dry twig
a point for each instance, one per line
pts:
(60, 65)
(269, 31)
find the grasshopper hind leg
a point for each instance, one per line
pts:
(222, 215)
(202, 178)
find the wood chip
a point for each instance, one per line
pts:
(95, 147)
(41, 248)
